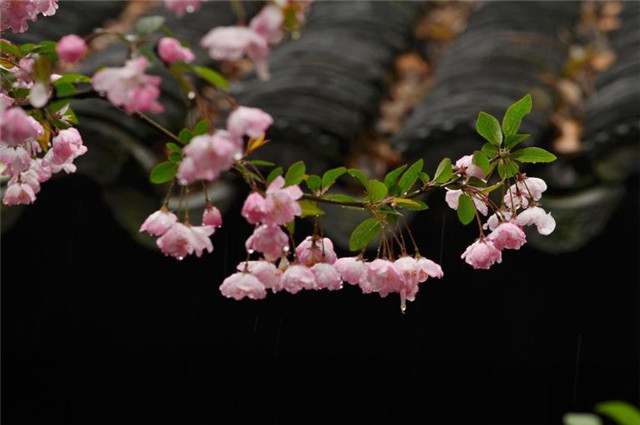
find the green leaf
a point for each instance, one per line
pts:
(27, 47)
(339, 197)
(476, 182)
(275, 173)
(481, 160)
(581, 419)
(211, 76)
(488, 190)
(310, 208)
(533, 155)
(355, 173)
(466, 209)
(443, 173)
(295, 173)
(620, 411)
(363, 234)
(60, 124)
(57, 105)
(314, 182)
(515, 113)
(489, 128)
(507, 169)
(185, 135)
(202, 127)
(489, 150)
(70, 116)
(9, 48)
(377, 191)
(175, 157)
(409, 178)
(163, 172)
(424, 177)
(392, 176)
(330, 176)
(174, 148)
(409, 204)
(149, 24)
(514, 139)
(72, 78)
(261, 163)
(65, 90)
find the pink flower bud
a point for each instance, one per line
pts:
(212, 217)
(482, 254)
(170, 50)
(251, 122)
(71, 48)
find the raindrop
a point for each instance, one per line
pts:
(190, 9)
(130, 38)
(191, 95)
(251, 251)
(237, 156)
(286, 249)
(180, 258)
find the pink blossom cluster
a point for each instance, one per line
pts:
(253, 41)
(177, 239)
(19, 150)
(180, 7)
(14, 14)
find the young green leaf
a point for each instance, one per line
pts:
(476, 182)
(355, 173)
(261, 163)
(489, 128)
(310, 208)
(392, 176)
(339, 197)
(466, 209)
(363, 234)
(515, 113)
(163, 172)
(185, 135)
(507, 169)
(481, 160)
(514, 139)
(409, 178)
(175, 157)
(330, 176)
(377, 191)
(65, 90)
(11, 49)
(149, 24)
(409, 204)
(202, 127)
(489, 150)
(622, 412)
(72, 78)
(424, 177)
(212, 77)
(295, 173)
(533, 155)
(275, 173)
(313, 182)
(56, 105)
(443, 173)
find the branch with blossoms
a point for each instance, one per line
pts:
(486, 187)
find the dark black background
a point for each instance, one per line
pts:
(96, 329)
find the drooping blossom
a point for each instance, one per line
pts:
(206, 156)
(384, 277)
(211, 217)
(482, 254)
(297, 278)
(470, 169)
(351, 269)
(268, 23)
(265, 271)
(181, 240)
(14, 14)
(254, 208)
(312, 251)
(65, 147)
(494, 220)
(326, 277)
(271, 241)
(429, 268)
(16, 127)
(537, 216)
(518, 194)
(508, 235)
(232, 43)
(129, 86)
(18, 193)
(71, 48)
(180, 7)
(453, 197)
(281, 203)
(159, 222)
(240, 285)
(245, 121)
(170, 50)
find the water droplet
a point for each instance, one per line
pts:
(251, 251)
(285, 249)
(191, 95)
(130, 38)
(180, 258)
(237, 156)
(190, 9)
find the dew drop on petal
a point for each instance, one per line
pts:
(285, 249)
(180, 258)
(237, 156)
(190, 9)
(191, 95)
(251, 251)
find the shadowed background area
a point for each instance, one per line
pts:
(99, 327)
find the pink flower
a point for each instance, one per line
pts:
(254, 208)
(265, 272)
(71, 48)
(482, 254)
(181, 240)
(519, 194)
(15, 13)
(179, 7)
(15, 159)
(5, 101)
(159, 222)
(326, 277)
(47, 7)
(271, 241)
(206, 156)
(311, 251)
(351, 269)
(240, 285)
(470, 169)
(384, 277)
(232, 43)
(268, 24)
(251, 122)
(212, 217)
(545, 223)
(494, 220)
(429, 268)
(66, 147)
(18, 193)
(281, 204)
(16, 127)
(508, 235)
(39, 95)
(170, 50)
(453, 197)
(296, 278)
(130, 87)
